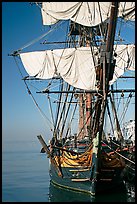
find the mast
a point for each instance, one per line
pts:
(107, 65)
(88, 106)
(85, 101)
(81, 117)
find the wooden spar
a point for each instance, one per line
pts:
(86, 91)
(58, 42)
(111, 38)
(127, 77)
(65, 42)
(88, 105)
(45, 147)
(88, 112)
(81, 117)
(59, 77)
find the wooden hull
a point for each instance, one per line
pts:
(84, 172)
(72, 181)
(81, 182)
(81, 178)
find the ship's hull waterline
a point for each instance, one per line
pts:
(79, 178)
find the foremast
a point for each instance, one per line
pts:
(106, 71)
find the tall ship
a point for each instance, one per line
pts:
(77, 75)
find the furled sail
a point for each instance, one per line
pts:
(84, 13)
(75, 65)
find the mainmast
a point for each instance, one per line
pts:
(88, 105)
(108, 65)
(85, 102)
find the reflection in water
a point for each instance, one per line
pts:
(130, 192)
(123, 193)
(57, 194)
(118, 194)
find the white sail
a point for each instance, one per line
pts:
(84, 13)
(125, 60)
(127, 10)
(75, 65)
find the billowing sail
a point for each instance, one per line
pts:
(75, 65)
(84, 13)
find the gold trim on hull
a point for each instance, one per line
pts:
(71, 188)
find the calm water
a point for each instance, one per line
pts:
(25, 178)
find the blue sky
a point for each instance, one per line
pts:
(21, 23)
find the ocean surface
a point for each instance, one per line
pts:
(25, 178)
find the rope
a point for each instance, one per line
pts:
(51, 111)
(87, 152)
(66, 115)
(63, 108)
(125, 108)
(71, 120)
(130, 167)
(119, 154)
(39, 38)
(43, 114)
